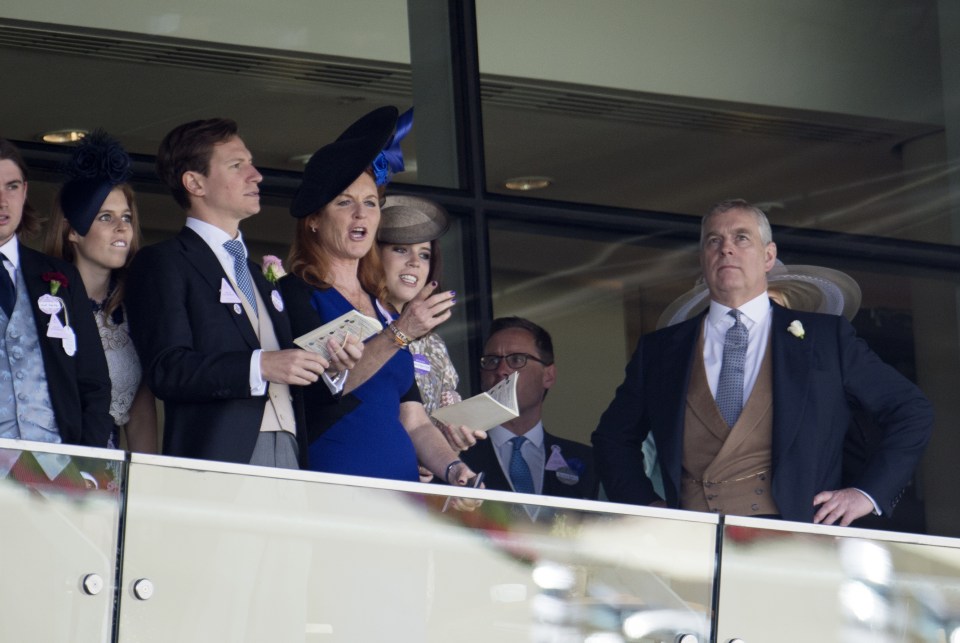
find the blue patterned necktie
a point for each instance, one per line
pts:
(519, 471)
(730, 385)
(240, 271)
(8, 292)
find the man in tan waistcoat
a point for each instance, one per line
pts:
(749, 402)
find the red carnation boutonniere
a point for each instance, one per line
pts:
(57, 280)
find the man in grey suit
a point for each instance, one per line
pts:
(749, 402)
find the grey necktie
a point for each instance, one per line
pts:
(240, 271)
(730, 385)
(519, 471)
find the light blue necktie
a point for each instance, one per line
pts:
(519, 471)
(240, 271)
(730, 385)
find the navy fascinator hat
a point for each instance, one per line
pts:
(370, 141)
(99, 164)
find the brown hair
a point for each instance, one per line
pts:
(57, 244)
(188, 148)
(29, 221)
(308, 260)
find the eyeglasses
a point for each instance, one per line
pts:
(516, 361)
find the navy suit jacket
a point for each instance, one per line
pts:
(814, 379)
(481, 457)
(79, 385)
(196, 351)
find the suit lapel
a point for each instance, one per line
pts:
(674, 361)
(281, 324)
(486, 460)
(199, 255)
(792, 363)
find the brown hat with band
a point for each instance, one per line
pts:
(411, 219)
(808, 288)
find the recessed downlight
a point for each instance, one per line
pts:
(526, 183)
(64, 135)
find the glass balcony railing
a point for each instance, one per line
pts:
(106, 546)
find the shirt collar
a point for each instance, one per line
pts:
(11, 250)
(211, 234)
(500, 436)
(755, 310)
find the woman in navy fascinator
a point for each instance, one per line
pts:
(95, 226)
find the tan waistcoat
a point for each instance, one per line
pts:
(278, 413)
(728, 470)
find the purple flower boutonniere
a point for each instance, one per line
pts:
(273, 268)
(796, 329)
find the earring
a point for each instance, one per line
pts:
(313, 228)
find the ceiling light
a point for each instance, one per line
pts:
(63, 135)
(525, 183)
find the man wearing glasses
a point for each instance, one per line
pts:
(520, 455)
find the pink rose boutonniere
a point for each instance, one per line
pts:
(273, 268)
(796, 329)
(57, 280)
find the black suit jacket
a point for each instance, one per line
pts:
(481, 457)
(80, 384)
(814, 381)
(196, 351)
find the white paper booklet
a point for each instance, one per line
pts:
(484, 411)
(351, 323)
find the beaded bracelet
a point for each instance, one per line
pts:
(446, 475)
(400, 339)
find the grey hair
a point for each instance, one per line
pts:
(766, 234)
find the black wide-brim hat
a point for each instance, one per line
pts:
(411, 219)
(334, 167)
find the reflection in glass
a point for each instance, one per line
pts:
(58, 549)
(855, 586)
(250, 555)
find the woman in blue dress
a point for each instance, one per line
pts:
(378, 426)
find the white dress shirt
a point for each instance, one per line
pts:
(756, 317)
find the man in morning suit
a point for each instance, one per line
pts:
(54, 383)
(211, 331)
(520, 455)
(749, 402)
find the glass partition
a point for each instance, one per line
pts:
(791, 582)
(221, 552)
(838, 117)
(61, 509)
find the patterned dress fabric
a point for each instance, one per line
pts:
(730, 384)
(442, 375)
(124, 367)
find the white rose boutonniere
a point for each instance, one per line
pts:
(796, 329)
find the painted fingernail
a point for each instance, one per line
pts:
(453, 301)
(453, 293)
(433, 283)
